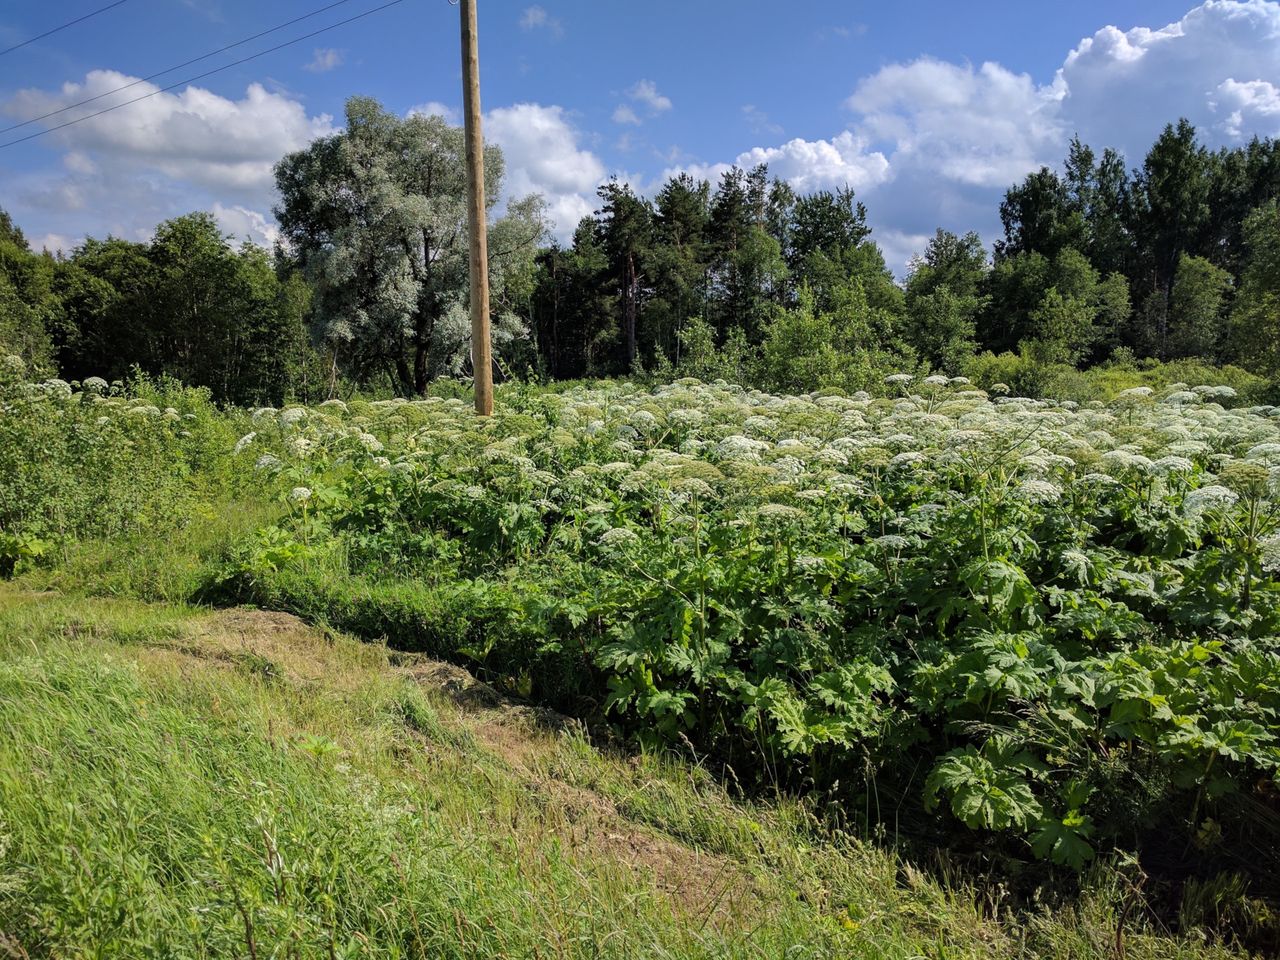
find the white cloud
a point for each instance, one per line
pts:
(1254, 105)
(537, 18)
(822, 164)
(646, 92)
(543, 155)
(78, 162)
(984, 126)
(245, 224)
(899, 247)
(53, 242)
(807, 165)
(434, 108)
(325, 59)
(932, 143)
(126, 171)
(759, 121)
(195, 135)
(1123, 86)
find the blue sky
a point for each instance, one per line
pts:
(928, 109)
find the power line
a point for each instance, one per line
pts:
(161, 73)
(69, 23)
(201, 76)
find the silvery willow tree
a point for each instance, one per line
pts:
(376, 217)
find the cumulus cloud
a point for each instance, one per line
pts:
(1123, 86)
(193, 135)
(53, 242)
(820, 164)
(926, 143)
(644, 94)
(932, 143)
(124, 172)
(983, 126)
(324, 60)
(1253, 105)
(808, 165)
(245, 224)
(543, 155)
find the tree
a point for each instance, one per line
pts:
(1098, 205)
(827, 223)
(625, 231)
(1255, 319)
(679, 263)
(1038, 217)
(1061, 328)
(376, 217)
(1241, 180)
(1197, 320)
(29, 310)
(11, 233)
(106, 288)
(1061, 308)
(944, 295)
(748, 272)
(1015, 286)
(851, 345)
(1171, 203)
(189, 305)
(574, 318)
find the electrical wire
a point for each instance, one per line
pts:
(201, 76)
(161, 73)
(69, 23)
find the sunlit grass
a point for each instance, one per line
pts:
(180, 784)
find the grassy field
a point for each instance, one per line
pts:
(179, 783)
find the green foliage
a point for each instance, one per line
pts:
(1255, 320)
(178, 783)
(1010, 596)
(1047, 629)
(1197, 319)
(187, 305)
(376, 216)
(1074, 639)
(29, 314)
(944, 296)
(97, 463)
(807, 349)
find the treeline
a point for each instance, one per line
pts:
(188, 304)
(1175, 259)
(1100, 266)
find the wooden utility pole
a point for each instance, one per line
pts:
(477, 213)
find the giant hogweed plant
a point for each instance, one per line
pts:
(1066, 613)
(1052, 623)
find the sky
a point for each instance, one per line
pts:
(929, 109)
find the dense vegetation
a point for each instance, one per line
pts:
(1100, 268)
(982, 563)
(180, 784)
(1032, 632)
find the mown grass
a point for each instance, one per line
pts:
(175, 783)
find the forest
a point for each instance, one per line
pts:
(1100, 268)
